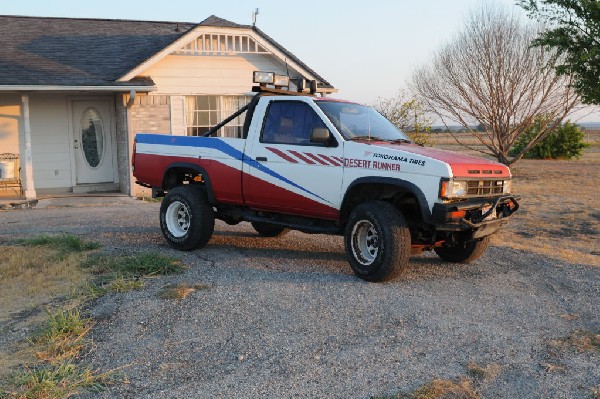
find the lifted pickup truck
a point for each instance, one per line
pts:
(320, 165)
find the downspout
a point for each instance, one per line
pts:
(29, 186)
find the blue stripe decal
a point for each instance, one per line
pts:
(219, 145)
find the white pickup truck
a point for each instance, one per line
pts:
(326, 166)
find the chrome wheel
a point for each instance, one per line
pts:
(177, 219)
(365, 242)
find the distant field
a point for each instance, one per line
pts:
(446, 140)
(560, 206)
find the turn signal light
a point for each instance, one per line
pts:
(458, 214)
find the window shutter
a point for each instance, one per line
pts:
(178, 126)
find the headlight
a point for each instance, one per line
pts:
(453, 188)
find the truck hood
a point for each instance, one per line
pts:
(462, 165)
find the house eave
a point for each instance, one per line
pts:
(58, 88)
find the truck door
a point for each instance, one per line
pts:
(288, 173)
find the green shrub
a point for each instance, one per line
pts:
(565, 142)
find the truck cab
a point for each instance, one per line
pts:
(327, 166)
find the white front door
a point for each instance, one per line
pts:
(93, 136)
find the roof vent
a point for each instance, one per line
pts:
(177, 29)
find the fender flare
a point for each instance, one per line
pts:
(209, 190)
(403, 184)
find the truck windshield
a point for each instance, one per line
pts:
(356, 122)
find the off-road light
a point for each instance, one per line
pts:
(270, 78)
(281, 80)
(264, 77)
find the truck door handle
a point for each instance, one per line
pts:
(261, 159)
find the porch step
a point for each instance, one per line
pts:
(95, 188)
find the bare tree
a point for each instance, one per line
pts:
(408, 114)
(490, 74)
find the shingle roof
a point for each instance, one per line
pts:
(68, 51)
(91, 52)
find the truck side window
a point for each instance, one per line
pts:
(290, 122)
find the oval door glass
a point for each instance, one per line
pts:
(92, 137)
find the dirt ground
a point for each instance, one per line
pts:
(560, 207)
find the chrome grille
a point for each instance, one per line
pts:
(484, 187)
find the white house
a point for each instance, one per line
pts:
(73, 92)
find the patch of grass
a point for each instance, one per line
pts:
(446, 389)
(181, 291)
(62, 336)
(64, 243)
(134, 266)
(480, 372)
(439, 389)
(59, 270)
(55, 381)
(122, 284)
(580, 340)
(149, 264)
(33, 276)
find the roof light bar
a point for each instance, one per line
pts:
(271, 78)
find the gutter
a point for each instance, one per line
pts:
(33, 88)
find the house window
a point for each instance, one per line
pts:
(204, 112)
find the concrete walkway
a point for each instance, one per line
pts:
(66, 201)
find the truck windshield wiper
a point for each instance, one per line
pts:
(400, 141)
(368, 138)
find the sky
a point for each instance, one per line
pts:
(366, 49)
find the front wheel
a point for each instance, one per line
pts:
(377, 241)
(466, 253)
(187, 220)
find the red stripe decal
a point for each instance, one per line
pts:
(316, 158)
(302, 157)
(340, 160)
(330, 160)
(282, 154)
(264, 196)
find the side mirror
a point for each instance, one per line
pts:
(320, 135)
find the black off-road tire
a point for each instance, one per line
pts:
(377, 241)
(268, 229)
(187, 220)
(470, 252)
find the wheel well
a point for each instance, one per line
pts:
(178, 175)
(401, 197)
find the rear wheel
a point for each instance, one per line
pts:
(187, 220)
(466, 253)
(268, 229)
(377, 241)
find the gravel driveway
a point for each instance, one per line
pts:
(286, 317)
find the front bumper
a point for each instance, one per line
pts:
(482, 216)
